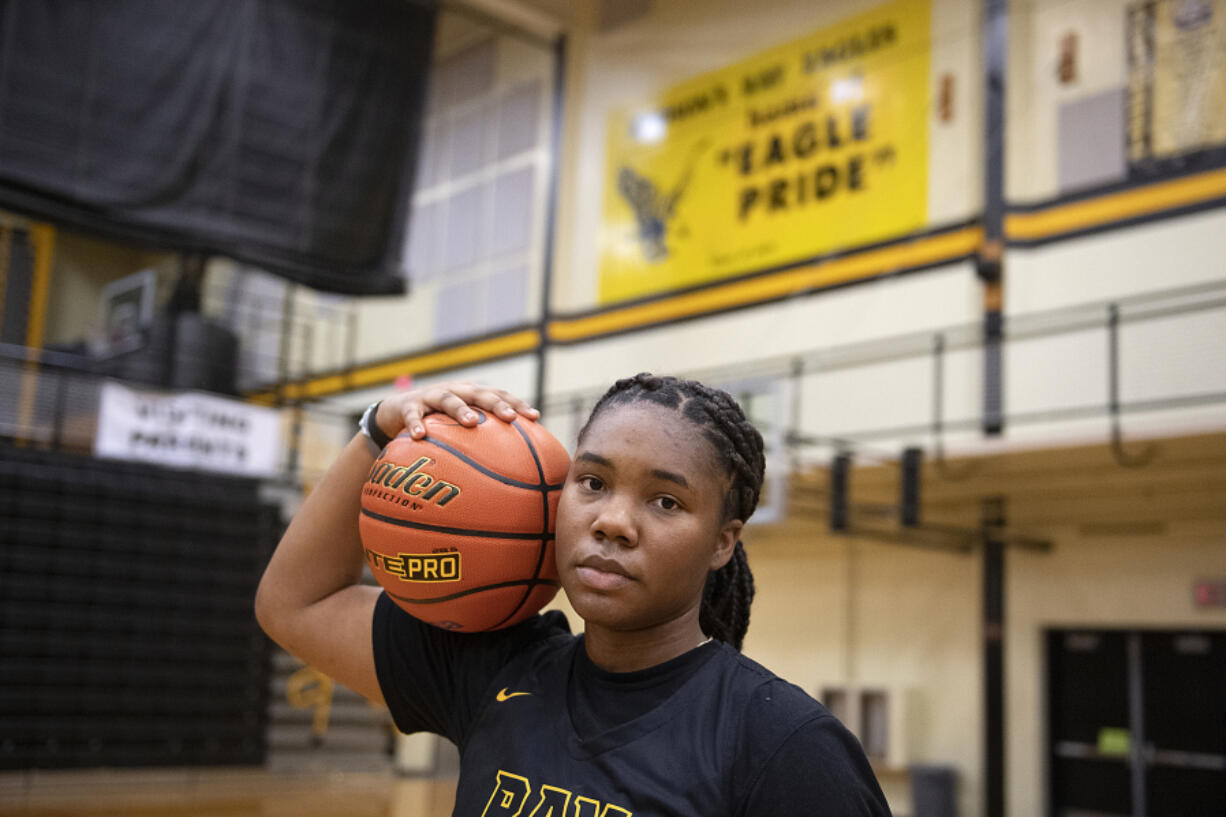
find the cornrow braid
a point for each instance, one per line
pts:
(726, 599)
(729, 591)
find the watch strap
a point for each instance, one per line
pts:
(371, 429)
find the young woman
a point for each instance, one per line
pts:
(652, 710)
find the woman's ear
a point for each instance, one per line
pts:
(726, 543)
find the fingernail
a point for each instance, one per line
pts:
(418, 431)
(468, 415)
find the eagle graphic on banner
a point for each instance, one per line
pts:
(654, 210)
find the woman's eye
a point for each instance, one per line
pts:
(668, 503)
(590, 483)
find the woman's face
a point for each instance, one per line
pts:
(640, 519)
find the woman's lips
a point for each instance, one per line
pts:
(599, 578)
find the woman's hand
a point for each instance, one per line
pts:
(405, 410)
(311, 600)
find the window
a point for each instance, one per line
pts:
(476, 235)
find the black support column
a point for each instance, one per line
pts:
(990, 267)
(990, 263)
(994, 656)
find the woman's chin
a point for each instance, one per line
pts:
(599, 609)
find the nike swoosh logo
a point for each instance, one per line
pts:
(503, 695)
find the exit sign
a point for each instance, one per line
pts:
(1210, 593)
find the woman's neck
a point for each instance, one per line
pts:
(631, 650)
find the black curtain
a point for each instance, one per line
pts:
(280, 133)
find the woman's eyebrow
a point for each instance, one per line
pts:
(658, 473)
(670, 476)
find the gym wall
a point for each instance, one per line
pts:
(845, 610)
(854, 611)
(1070, 251)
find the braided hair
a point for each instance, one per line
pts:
(729, 591)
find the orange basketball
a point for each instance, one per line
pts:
(458, 526)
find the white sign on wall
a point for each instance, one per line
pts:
(188, 430)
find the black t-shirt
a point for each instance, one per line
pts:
(599, 700)
(544, 732)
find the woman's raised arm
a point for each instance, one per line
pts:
(310, 599)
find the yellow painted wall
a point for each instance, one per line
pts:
(854, 612)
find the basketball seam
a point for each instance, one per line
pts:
(545, 535)
(494, 474)
(461, 593)
(405, 523)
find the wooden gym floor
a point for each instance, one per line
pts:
(221, 793)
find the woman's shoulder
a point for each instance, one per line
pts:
(766, 693)
(535, 639)
(792, 751)
(546, 626)
(407, 647)
(436, 680)
(544, 634)
(750, 703)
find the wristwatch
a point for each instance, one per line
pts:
(371, 429)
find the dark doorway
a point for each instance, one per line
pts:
(1136, 723)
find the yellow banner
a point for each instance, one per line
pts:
(808, 147)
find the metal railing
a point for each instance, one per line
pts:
(933, 348)
(50, 398)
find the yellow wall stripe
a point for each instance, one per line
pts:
(522, 341)
(1101, 210)
(920, 252)
(1045, 223)
(42, 239)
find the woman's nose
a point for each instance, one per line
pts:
(615, 521)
